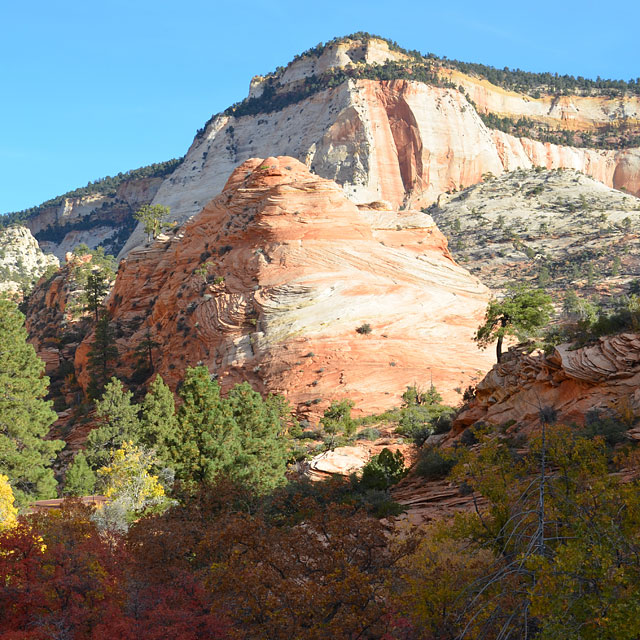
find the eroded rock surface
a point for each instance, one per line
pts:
(604, 375)
(272, 280)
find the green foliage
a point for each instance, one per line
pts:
(102, 355)
(158, 422)
(423, 414)
(522, 313)
(154, 218)
(242, 436)
(368, 434)
(337, 420)
(119, 423)
(364, 329)
(80, 480)
(383, 470)
(25, 417)
(434, 463)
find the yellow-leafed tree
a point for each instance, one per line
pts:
(8, 512)
(131, 489)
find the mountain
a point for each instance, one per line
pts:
(282, 281)
(396, 126)
(386, 124)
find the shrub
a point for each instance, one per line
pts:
(432, 464)
(364, 329)
(368, 434)
(383, 470)
(597, 423)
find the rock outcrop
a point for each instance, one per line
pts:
(21, 260)
(604, 375)
(282, 281)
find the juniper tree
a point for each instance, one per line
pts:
(522, 313)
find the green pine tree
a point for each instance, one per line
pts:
(208, 440)
(119, 423)
(80, 480)
(102, 354)
(158, 422)
(25, 417)
(262, 458)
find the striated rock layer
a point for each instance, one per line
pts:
(272, 279)
(604, 375)
(401, 141)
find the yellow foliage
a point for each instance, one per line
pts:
(8, 512)
(127, 476)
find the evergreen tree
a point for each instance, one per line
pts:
(97, 287)
(207, 441)
(25, 417)
(119, 423)
(154, 218)
(262, 458)
(158, 422)
(101, 356)
(522, 313)
(80, 480)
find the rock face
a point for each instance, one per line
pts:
(605, 375)
(400, 141)
(281, 280)
(21, 260)
(559, 227)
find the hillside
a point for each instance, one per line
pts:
(559, 229)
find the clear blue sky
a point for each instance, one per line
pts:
(88, 88)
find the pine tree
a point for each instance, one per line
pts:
(25, 417)
(119, 423)
(80, 480)
(101, 356)
(158, 423)
(207, 441)
(262, 458)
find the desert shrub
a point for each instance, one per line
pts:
(606, 426)
(433, 464)
(383, 470)
(368, 434)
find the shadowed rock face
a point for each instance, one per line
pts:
(271, 280)
(604, 375)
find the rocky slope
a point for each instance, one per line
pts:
(100, 214)
(282, 281)
(21, 260)
(604, 375)
(400, 140)
(560, 229)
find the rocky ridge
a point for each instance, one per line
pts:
(21, 260)
(560, 229)
(604, 375)
(282, 281)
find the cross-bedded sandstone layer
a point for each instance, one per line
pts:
(282, 281)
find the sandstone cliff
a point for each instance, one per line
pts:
(402, 141)
(271, 281)
(604, 375)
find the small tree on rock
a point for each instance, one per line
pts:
(521, 313)
(154, 218)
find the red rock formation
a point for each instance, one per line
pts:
(271, 280)
(603, 375)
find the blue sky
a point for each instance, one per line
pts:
(88, 89)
